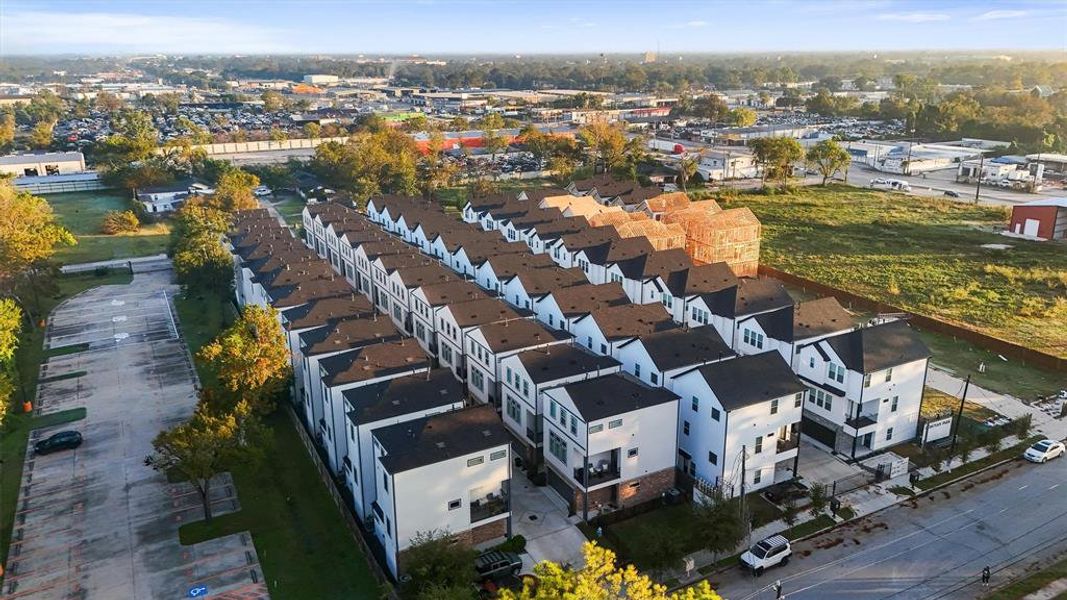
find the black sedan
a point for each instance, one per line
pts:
(64, 440)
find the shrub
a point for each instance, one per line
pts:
(116, 221)
(516, 544)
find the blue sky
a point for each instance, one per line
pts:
(532, 27)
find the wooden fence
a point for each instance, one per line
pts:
(997, 345)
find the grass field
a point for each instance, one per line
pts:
(83, 213)
(17, 425)
(923, 255)
(290, 207)
(1032, 583)
(303, 545)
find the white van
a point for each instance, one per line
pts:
(767, 553)
(896, 185)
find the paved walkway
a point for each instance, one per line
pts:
(95, 522)
(1009, 406)
(132, 263)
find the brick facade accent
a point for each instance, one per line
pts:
(650, 487)
(472, 537)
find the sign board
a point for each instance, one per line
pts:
(937, 429)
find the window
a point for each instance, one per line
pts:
(753, 338)
(525, 388)
(811, 362)
(385, 481)
(499, 454)
(552, 409)
(551, 321)
(696, 404)
(836, 373)
(820, 398)
(603, 349)
(889, 374)
(654, 378)
(867, 380)
(713, 458)
(474, 462)
(454, 504)
(685, 427)
(798, 400)
(574, 425)
(637, 370)
(715, 414)
(477, 379)
(595, 429)
(667, 299)
(774, 406)
(759, 444)
(557, 447)
(616, 278)
(893, 406)
(508, 371)
(615, 424)
(631, 453)
(589, 342)
(888, 434)
(514, 410)
(757, 476)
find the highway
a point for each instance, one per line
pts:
(933, 547)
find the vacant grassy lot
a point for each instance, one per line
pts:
(303, 545)
(921, 254)
(290, 207)
(83, 213)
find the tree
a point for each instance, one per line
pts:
(196, 217)
(273, 101)
(687, 168)
(491, 121)
(41, 135)
(435, 560)
(776, 156)
(828, 158)
(251, 357)
(819, 499)
(711, 107)
(719, 522)
(664, 550)
(742, 117)
(278, 135)
(208, 444)
(1022, 426)
(312, 130)
(29, 231)
(10, 326)
(790, 512)
(233, 191)
(120, 221)
(201, 263)
(135, 139)
(600, 579)
(107, 102)
(369, 163)
(7, 131)
(493, 142)
(605, 143)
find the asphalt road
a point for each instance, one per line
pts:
(931, 547)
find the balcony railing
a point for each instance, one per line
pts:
(788, 444)
(485, 508)
(597, 475)
(862, 421)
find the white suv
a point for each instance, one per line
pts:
(772, 551)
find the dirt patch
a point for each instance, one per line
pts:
(830, 543)
(946, 494)
(874, 526)
(805, 553)
(855, 541)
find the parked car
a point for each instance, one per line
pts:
(767, 553)
(952, 193)
(1044, 451)
(64, 440)
(495, 563)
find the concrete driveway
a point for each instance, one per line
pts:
(542, 519)
(818, 465)
(95, 522)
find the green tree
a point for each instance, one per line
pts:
(195, 218)
(10, 327)
(7, 131)
(251, 357)
(45, 107)
(776, 156)
(107, 102)
(493, 143)
(491, 121)
(719, 523)
(273, 101)
(277, 135)
(828, 158)
(605, 143)
(369, 163)
(435, 561)
(742, 117)
(41, 135)
(120, 221)
(201, 263)
(312, 130)
(687, 168)
(819, 499)
(29, 232)
(207, 445)
(233, 191)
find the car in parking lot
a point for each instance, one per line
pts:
(64, 440)
(492, 564)
(769, 552)
(1044, 451)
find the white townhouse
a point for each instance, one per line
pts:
(475, 208)
(314, 315)
(494, 218)
(357, 270)
(608, 442)
(447, 242)
(494, 270)
(287, 270)
(307, 291)
(657, 357)
(527, 375)
(324, 342)
(455, 321)
(603, 330)
(251, 257)
(596, 261)
(389, 297)
(761, 305)
(426, 303)
(518, 229)
(688, 285)
(355, 368)
(564, 249)
(812, 321)
(494, 342)
(527, 287)
(742, 411)
(363, 257)
(468, 256)
(399, 284)
(865, 387)
(429, 228)
(383, 404)
(467, 455)
(562, 307)
(642, 276)
(542, 236)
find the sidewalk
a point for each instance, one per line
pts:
(1009, 406)
(112, 264)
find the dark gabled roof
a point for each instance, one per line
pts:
(593, 236)
(584, 185)
(426, 275)
(538, 282)
(618, 250)
(370, 362)
(748, 380)
(388, 246)
(680, 347)
(491, 201)
(478, 252)
(777, 324)
(507, 265)
(880, 347)
(403, 396)
(819, 317)
(347, 334)
(356, 239)
(453, 239)
(515, 208)
(614, 394)
(440, 437)
(637, 195)
(481, 311)
(252, 214)
(555, 362)
(631, 320)
(659, 263)
(327, 310)
(560, 227)
(582, 299)
(308, 291)
(519, 333)
(392, 262)
(701, 279)
(758, 295)
(451, 292)
(534, 217)
(721, 302)
(294, 275)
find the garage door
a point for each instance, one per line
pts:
(819, 432)
(1031, 226)
(561, 487)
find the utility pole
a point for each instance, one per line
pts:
(742, 503)
(959, 415)
(978, 189)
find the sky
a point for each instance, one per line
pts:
(508, 27)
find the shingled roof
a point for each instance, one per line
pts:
(440, 437)
(872, 349)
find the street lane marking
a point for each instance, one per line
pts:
(1054, 487)
(1024, 487)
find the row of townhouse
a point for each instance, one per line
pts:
(384, 417)
(751, 316)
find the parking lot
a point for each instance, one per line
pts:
(95, 522)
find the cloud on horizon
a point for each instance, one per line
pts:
(914, 17)
(1001, 14)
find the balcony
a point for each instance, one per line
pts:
(857, 425)
(790, 443)
(597, 475)
(487, 507)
